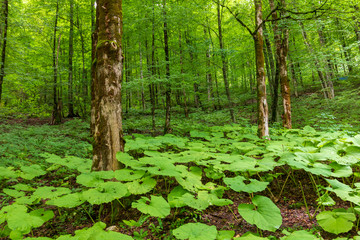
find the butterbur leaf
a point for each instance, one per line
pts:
(326, 200)
(68, 201)
(105, 192)
(225, 235)
(265, 216)
(41, 213)
(156, 207)
(238, 184)
(190, 180)
(250, 236)
(175, 197)
(336, 221)
(23, 187)
(89, 179)
(96, 232)
(13, 193)
(30, 172)
(7, 173)
(195, 231)
(128, 175)
(141, 186)
(50, 192)
(303, 235)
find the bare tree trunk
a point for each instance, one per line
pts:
(56, 114)
(108, 132)
(3, 51)
(71, 53)
(224, 65)
(263, 114)
(142, 78)
(186, 109)
(325, 87)
(167, 73)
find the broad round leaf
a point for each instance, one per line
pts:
(336, 221)
(105, 192)
(157, 206)
(50, 192)
(68, 201)
(266, 216)
(238, 184)
(195, 231)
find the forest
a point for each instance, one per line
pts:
(180, 119)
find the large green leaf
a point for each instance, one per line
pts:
(238, 184)
(30, 172)
(96, 232)
(105, 192)
(157, 206)
(50, 192)
(336, 221)
(195, 231)
(141, 186)
(263, 213)
(68, 201)
(297, 235)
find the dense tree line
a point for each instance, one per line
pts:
(179, 54)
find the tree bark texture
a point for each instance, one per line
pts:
(56, 114)
(106, 107)
(3, 51)
(263, 114)
(224, 64)
(71, 53)
(167, 73)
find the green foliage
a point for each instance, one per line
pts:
(336, 221)
(196, 231)
(263, 213)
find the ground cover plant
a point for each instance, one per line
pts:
(202, 182)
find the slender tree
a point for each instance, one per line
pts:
(167, 73)
(4, 43)
(71, 53)
(56, 114)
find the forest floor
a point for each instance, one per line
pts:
(24, 140)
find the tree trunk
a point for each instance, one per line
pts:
(224, 65)
(284, 80)
(186, 109)
(3, 51)
(108, 133)
(56, 114)
(71, 53)
(325, 87)
(263, 115)
(167, 73)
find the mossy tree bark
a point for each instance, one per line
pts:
(106, 105)
(263, 112)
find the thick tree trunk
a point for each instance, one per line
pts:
(56, 114)
(3, 51)
(263, 114)
(224, 65)
(71, 53)
(108, 133)
(167, 73)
